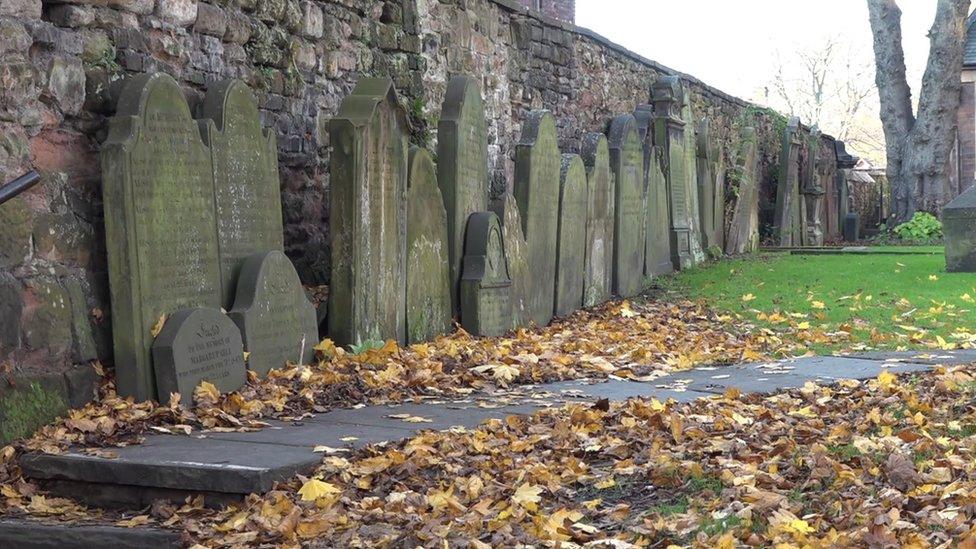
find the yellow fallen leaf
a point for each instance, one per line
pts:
(748, 297)
(886, 379)
(158, 326)
(313, 489)
(527, 495)
(818, 305)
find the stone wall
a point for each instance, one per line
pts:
(63, 63)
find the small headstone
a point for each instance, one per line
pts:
(571, 239)
(627, 164)
(852, 227)
(428, 268)
(669, 131)
(486, 308)
(198, 345)
(743, 233)
(245, 172)
(368, 215)
(959, 227)
(274, 314)
(516, 257)
(598, 253)
(159, 221)
(462, 164)
(537, 165)
(786, 213)
(657, 251)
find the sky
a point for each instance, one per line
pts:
(732, 45)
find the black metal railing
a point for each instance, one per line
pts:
(19, 185)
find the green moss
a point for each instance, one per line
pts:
(22, 411)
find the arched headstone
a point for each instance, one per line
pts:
(516, 257)
(598, 253)
(669, 131)
(368, 217)
(247, 195)
(462, 164)
(627, 164)
(537, 164)
(159, 221)
(657, 250)
(571, 239)
(428, 268)
(486, 308)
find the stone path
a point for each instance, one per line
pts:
(226, 466)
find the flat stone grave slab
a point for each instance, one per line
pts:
(963, 356)
(617, 390)
(32, 534)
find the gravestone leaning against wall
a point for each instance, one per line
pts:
(462, 165)
(571, 241)
(669, 131)
(743, 235)
(657, 251)
(486, 289)
(245, 173)
(598, 253)
(159, 221)
(627, 164)
(368, 215)
(785, 218)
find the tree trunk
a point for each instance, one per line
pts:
(918, 146)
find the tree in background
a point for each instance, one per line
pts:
(918, 142)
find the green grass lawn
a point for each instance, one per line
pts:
(881, 301)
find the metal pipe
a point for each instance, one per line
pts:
(19, 185)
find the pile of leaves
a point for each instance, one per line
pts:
(639, 341)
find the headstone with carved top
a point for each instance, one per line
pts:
(627, 164)
(486, 308)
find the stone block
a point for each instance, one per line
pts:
(14, 38)
(312, 21)
(139, 7)
(47, 322)
(211, 20)
(20, 9)
(84, 347)
(11, 311)
(66, 83)
(238, 28)
(70, 15)
(182, 13)
(17, 222)
(959, 227)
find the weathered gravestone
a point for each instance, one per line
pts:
(845, 163)
(537, 165)
(271, 309)
(598, 252)
(959, 225)
(669, 132)
(812, 192)
(711, 190)
(462, 165)
(428, 269)
(571, 240)
(159, 221)
(486, 308)
(691, 171)
(743, 235)
(657, 251)
(785, 217)
(627, 164)
(516, 257)
(245, 174)
(197, 345)
(368, 216)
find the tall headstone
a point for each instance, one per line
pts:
(691, 171)
(537, 165)
(245, 173)
(785, 219)
(627, 164)
(159, 221)
(462, 165)
(368, 216)
(598, 253)
(657, 251)
(813, 192)
(845, 163)
(669, 131)
(486, 308)
(428, 266)
(272, 311)
(571, 240)
(706, 183)
(959, 227)
(743, 235)
(197, 345)
(517, 259)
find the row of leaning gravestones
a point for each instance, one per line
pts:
(202, 291)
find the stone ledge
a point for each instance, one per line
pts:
(31, 534)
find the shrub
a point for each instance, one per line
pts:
(922, 226)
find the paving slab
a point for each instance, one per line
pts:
(615, 389)
(32, 534)
(962, 356)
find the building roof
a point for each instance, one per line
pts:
(969, 48)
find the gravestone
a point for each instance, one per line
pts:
(516, 258)
(959, 226)
(691, 171)
(657, 252)
(245, 174)
(537, 165)
(486, 308)
(845, 163)
(368, 215)
(785, 218)
(812, 192)
(428, 267)
(669, 131)
(711, 189)
(274, 314)
(462, 165)
(852, 227)
(598, 252)
(198, 345)
(571, 239)
(627, 164)
(159, 221)
(743, 235)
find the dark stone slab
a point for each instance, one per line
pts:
(627, 164)
(959, 226)
(486, 288)
(571, 237)
(31, 534)
(618, 390)
(428, 262)
(598, 255)
(198, 345)
(180, 463)
(245, 179)
(273, 313)
(836, 368)
(159, 221)
(669, 130)
(310, 433)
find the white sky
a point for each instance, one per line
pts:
(731, 44)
